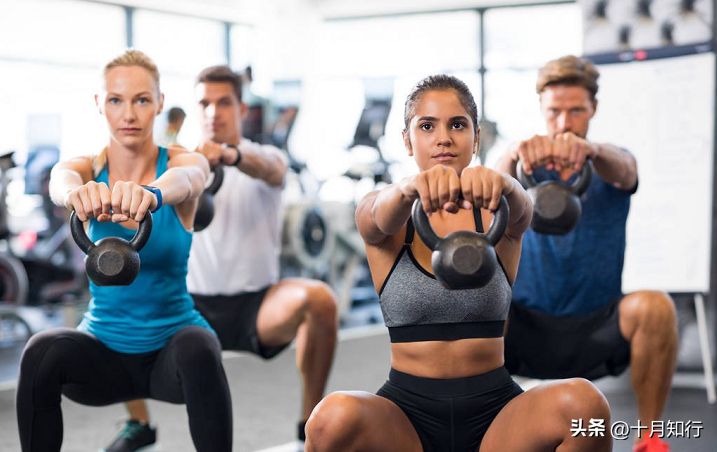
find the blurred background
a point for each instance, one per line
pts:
(325, 82)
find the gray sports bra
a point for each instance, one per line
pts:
(416, 307)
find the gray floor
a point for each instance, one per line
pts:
(266, 402)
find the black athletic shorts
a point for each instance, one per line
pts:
(233, 317)
(538, 345)
(452, 414)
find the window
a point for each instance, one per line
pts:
(390, 46)
(524, 37)
(62, 31)
(179, 44)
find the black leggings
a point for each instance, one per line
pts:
(65, 361)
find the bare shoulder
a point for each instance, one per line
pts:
(180, 156)
(175, 150)
(365, 222)
(83, 165)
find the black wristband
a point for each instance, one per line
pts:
(236, 148)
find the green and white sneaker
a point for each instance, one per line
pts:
(134, 437)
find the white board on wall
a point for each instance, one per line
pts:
(663, 112)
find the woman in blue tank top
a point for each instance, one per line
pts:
(447, 389)
(143, 340)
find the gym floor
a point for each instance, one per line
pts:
(266, 402)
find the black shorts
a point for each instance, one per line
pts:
(233, 317)
(451, 414)
(538, 345)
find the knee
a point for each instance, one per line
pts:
(46, 355)
(40, 343)
(323, 300)
(196, 348)
(334, 420)
(578, 398)
(318, 299)
(651, 309)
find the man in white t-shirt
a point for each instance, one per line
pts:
(234, 262)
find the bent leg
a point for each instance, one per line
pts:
(189, 370)
(304, 309)
(541, 420)
(64, 360)
(648, 322)
(358, 421)
(137, 410)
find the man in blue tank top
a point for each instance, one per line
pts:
(569, 317)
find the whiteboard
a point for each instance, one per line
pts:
(663, 112)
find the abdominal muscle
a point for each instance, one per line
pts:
(448, 359)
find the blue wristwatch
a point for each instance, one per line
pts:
(157, 192)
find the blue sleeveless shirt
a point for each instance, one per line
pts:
(580, 272)
(141, 317)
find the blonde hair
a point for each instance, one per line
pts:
(569, 70)
(129, 57)
(132, 57)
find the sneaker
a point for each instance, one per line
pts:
(135, 436)
(301, 436)
(651, 444)
(301, 431)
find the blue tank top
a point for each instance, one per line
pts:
(416, 307)
(141, 317)
(580, 272)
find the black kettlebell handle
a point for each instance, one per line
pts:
(218, 171)
(581, 183)
(431, 239)
(83, 241)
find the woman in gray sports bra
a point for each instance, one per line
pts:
(447, 388)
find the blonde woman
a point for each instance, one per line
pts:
(144, 340)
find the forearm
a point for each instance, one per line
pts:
(62, 182)
(508, 161)
(521, 207)
(181, 183)
(615, 166)
(391, 209)
(261, 164)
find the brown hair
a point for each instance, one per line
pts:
(221, 74)
(569, 70)
(441, 82)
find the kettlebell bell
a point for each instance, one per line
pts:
(556, 205)
(462, 259)
(112, 261)
(205, 205)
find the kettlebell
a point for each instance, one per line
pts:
(205, 205)
(112, 261)
(556, 205)
(462, 259)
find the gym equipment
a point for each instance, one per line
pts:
(205, 205)
(306, 238)
(463, 259)
(556, 205)
(112, 261)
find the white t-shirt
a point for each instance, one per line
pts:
(239, 250)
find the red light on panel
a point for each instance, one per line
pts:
(640, 54)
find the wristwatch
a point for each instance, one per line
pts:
(235, 147)
(157, 192)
